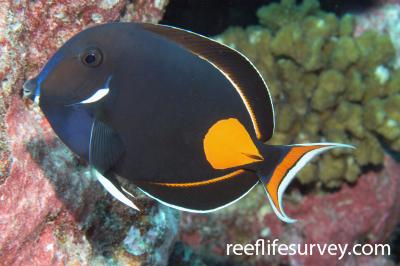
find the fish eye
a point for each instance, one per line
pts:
(92, 57)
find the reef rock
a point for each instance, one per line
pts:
(364, 213)
(52, 211)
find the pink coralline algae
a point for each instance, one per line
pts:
(365, 213)
(52, 211)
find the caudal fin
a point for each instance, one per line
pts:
(275, 177)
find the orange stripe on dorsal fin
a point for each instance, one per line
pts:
(227, 144)
(244, 77)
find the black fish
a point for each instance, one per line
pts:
(182, 117)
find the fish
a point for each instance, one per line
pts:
(182, 117)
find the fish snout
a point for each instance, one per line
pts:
(29, 89)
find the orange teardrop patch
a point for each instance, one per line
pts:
(227, 144)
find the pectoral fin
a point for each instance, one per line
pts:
(106, 147)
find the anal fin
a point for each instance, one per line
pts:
(203, 196)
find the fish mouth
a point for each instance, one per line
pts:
(29, 90)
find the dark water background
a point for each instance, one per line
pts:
(211, 17)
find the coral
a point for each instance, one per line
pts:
(327, 85)
(384, 19)
(52, 212)
(346, 216)
(330, 87)
(275, 15)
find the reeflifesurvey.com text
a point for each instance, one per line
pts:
(262, 247)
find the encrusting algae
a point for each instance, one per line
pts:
(327, 85)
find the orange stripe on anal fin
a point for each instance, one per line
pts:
(294, 155)
(202, 183)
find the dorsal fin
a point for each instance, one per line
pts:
(237, 69)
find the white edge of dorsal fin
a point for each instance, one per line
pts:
(231, 80)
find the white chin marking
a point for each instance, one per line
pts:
(98, 95)
(36, 99)
(109, 186)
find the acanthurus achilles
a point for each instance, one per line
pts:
(182, 117)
